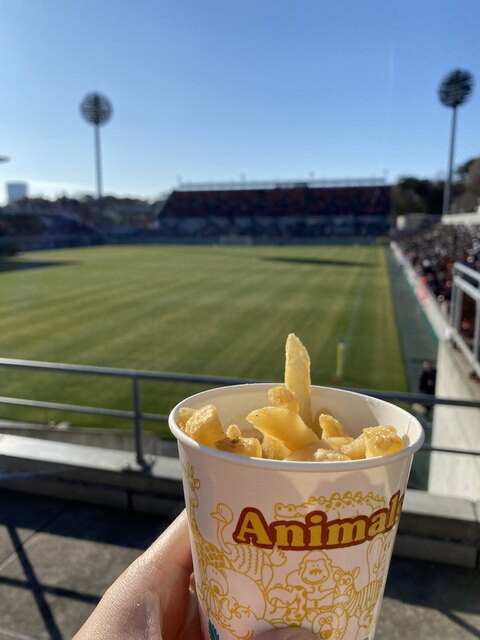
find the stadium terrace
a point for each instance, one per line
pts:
(279, 211)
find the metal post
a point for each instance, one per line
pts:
(137, 422)
(453, 296)
(98, 161)
(340, 358)
(476, 334)
(448, 182)
(457, 311)
(456, 305)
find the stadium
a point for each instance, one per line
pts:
(115, 311)
(246, 212)
(324, 259)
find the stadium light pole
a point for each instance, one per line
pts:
(454, 91)
(97, 110)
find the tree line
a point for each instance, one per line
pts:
(410, 194)
(421, 195)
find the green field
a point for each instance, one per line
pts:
(207, 310)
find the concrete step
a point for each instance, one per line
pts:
(432, 527)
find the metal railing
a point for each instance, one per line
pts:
(466, 282)
(137, 415)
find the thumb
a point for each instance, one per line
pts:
(288, 633)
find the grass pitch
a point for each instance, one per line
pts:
(207, 310)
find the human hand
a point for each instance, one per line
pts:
(154, 598)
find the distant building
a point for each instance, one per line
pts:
(16, 190)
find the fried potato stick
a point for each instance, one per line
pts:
(241, 446)
(331, 426)
(282, 397)
(355, 450)
(381, 441)
(297, 375)
(274, 449)
(284, 425)
(204, 426)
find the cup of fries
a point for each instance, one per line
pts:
(293, 507)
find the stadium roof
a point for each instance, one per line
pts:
(278, 184)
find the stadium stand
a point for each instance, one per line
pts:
(28, 224)
(434, 251)
(273, 212)
(30, 231)
(279, 212)
(441, 265)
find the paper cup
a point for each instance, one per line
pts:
(279, 543)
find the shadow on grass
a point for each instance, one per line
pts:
(21, 265)
(319, 261)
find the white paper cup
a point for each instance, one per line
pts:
(279, 543)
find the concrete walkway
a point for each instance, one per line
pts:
(57, 558)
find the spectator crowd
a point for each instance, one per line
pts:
(432, 253)
(29, 224)
(278, 213)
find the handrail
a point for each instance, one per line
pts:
(466, 281)
(468, 271)
(137, 415)
(116, 372)
(170, 376)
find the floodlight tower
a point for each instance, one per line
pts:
(455, 90)
(97, 109)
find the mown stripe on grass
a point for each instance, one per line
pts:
(213, 310)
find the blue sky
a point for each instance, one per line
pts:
(219, 90)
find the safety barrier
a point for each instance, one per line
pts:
(137, 415)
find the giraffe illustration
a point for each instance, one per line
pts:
(208, 553)
(228, 594)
